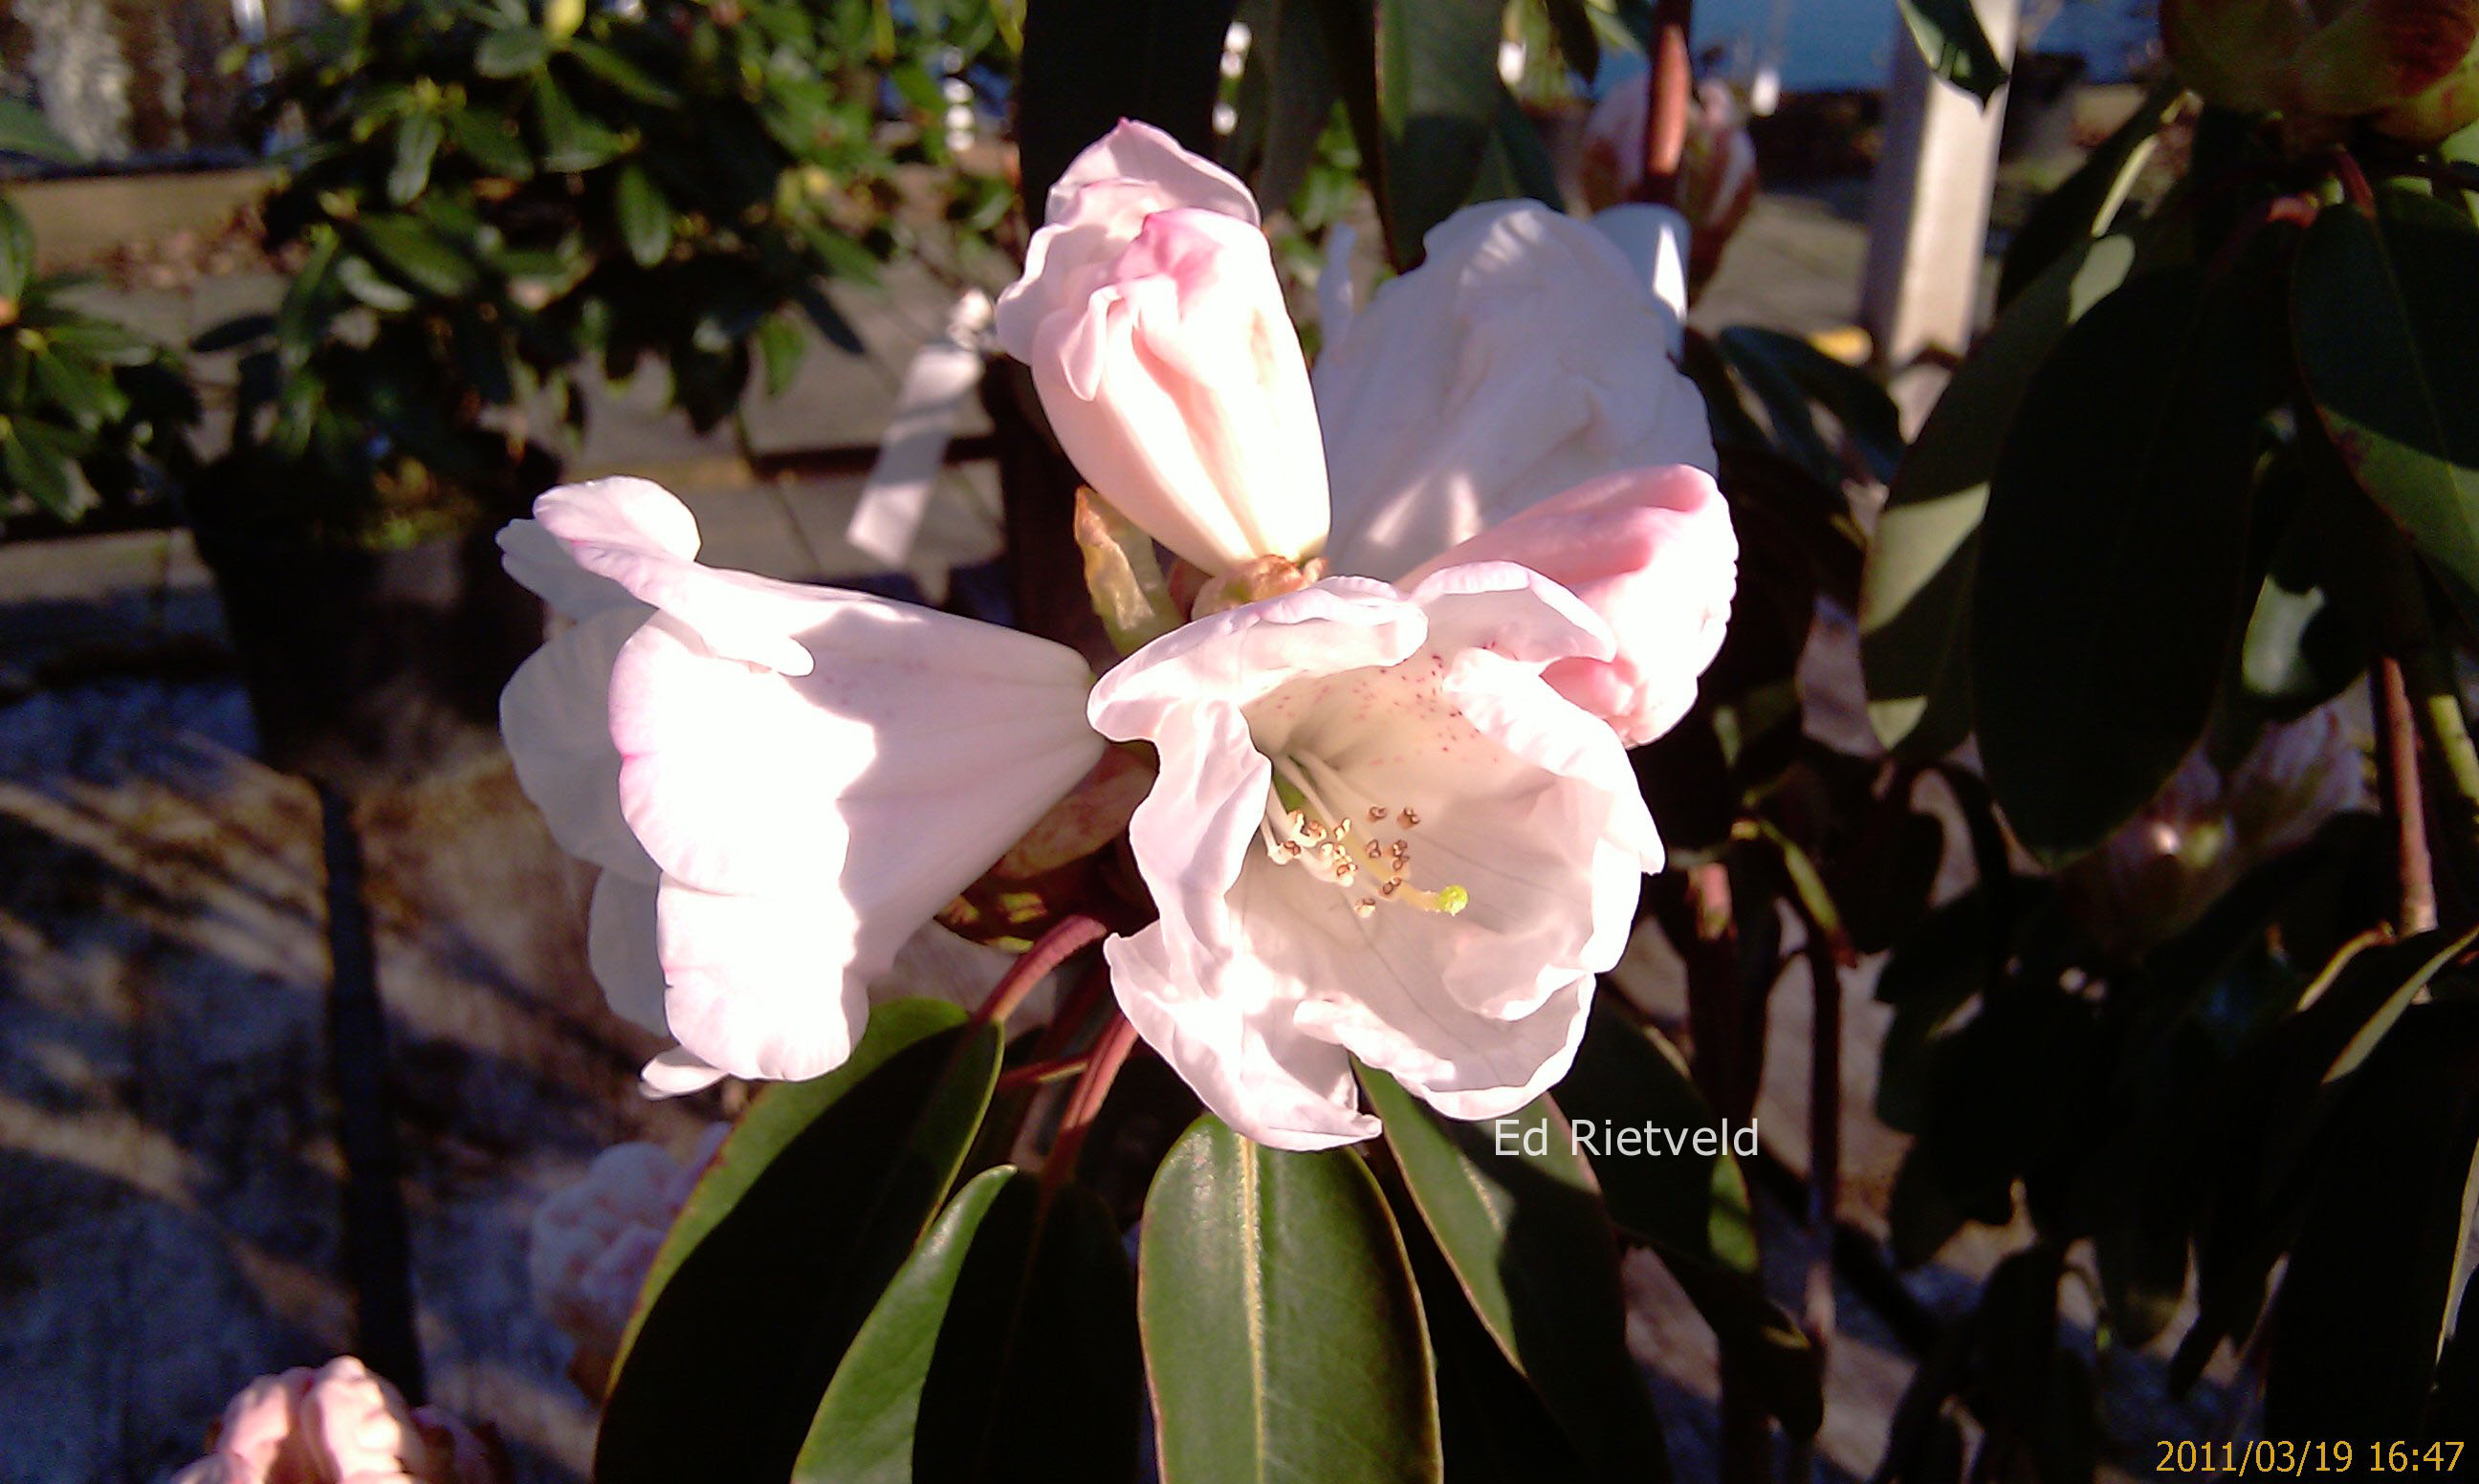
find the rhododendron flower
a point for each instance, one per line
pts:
(1379, 832)
(590, 1244)
(781, 783)
(339, 1424)
(1154, 327)
(2156, 875)
(1522, 358)
(1651, 552)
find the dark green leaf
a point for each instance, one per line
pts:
(1572, 22)
(1787, 372)
(622, 74)
(1004, 1349)
(408, 247)
(1915, 596)
(1438, 97)
(233, 334)
(2114, 553)
(492, 140)
(25, 131)
(2084, 205)
(101, 339)
(1949, 36)
(829, 320)
(417, 144)
(16, 251)
(1298, 97)
(299, 322)
(2388, 346)
(784, 1247)
(38, 462)
(780, 347)
(513, 51)
(371, 287)
(1088, 64)
(571, 140)
(82, 390)
(1689, 1204)
(1282, 1332)
(645, 216)
(1532, 1245)
(866, 1424)
(2364, 1305)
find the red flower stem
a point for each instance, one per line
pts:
(1034, 1074)
(1109, 1055)
(1048, 951)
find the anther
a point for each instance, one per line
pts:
(1376, 812)
(1409, 818)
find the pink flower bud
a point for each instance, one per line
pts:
(1651, 553)
(1156, 329)
(340, 1424)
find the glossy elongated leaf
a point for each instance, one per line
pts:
(1532, 1245)
(492, 140)
(25, 131)
(17, 252)
(1687, 1202)
(1438, 100)
(867, 1422)
(408, 245)
(1786, 372)
(81, 390)
(2114, 553)
(417, 144)
(39, 461)
(1572, 20)
(1289, 89)
(2363, 1306)
(784, 1247)
(1004, 1349)
(371, 286)
(1282, 1331)
(621, 73)
(2086, 202)
(1955, 45)
(645, 216)
(1915, 594)
(570, 139)
(101, 339)
(512, 51)
(2387, 336)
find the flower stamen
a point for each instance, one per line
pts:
(1301, 828)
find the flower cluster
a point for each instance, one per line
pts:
(1447, 579)
(592, 1244)
(339, 1424)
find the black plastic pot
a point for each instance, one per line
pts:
(367, 668)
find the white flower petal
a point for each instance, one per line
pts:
(621, 948)
(758, 985)
(678, 1073)
(555, 716)
(1255, 1072)
(1521, 359)
(539, 563)
(637, 534)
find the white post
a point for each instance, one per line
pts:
(1927, 211)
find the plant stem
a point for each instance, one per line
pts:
(2397, 760)
(1036, 1074)
(1049, 951)
(1109, 1055)
(1674, 88)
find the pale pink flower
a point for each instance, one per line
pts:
(781, 783)
(1154, 323)
(1379, 832)
(339, 1424)
(590, 1244)
(1651, 550)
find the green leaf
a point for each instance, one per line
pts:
(2364, 1305)
(782, 349)
(417, 144)
(1438, 97)
(16, 251)
(2113, 555)
(25, 131)
(622, 74)
(1532, 1245)
(492, 140)
(512, 51)
(645, 216)
(371, 287)
(1282, 1331)
(298, 322)
(785, 1246)
(407, 246)
(571, 140)
(1088, 64)
(2388, 334)
(233, 334)
(1012, 1326)
(101, 339)
(38, 462)
(1688, 1204)
(1572, 20)
(81, 390)
(867, 1422)
(2084, 205)
(1949, 36)
(1916, 596)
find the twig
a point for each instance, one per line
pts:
(1049, 951)
(2397, 755)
